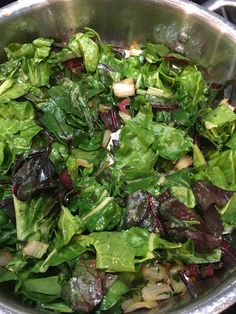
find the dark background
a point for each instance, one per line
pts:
(232, 17)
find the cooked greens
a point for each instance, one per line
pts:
(113, 163)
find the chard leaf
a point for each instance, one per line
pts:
(64, 233)
(114, 253)
(6, 275)
(119, 251)
(198, 158)
(219, 124)
(89, 50)
(171, 143)
(47, 285)
(114, 294)
(31, 220)
(222, 170)
(59, 307)
(37, 72)
(85, 289)
(18, 127)
(187, 254)
(14, 91)
(232, 142)
(190, 92)
(64, 254)
(228, 212)
(136, 138)
(155, 52)
(184, 195)
(39, 49)
(98, 210)
(90, 160)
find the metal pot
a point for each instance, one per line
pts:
(183, 26)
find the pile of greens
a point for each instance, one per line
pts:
(80, 217)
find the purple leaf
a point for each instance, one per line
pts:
(208, 194)
(137, 209)
(203, 242)
(33, 176)
(85, 290)
(111, 120)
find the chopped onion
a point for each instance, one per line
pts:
(184, 162)
(131, 305)
(35, 248)
(5, 258)
(106, 138)
(84, 163)
(127, 53)
(124, 116)
(226, 103)
(103, 108)
(135, 52)
(154, 292)
(158, 273)
(124, 88)
(176, 282)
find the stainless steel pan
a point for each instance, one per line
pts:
(183, 26)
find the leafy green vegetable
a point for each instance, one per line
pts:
(135, 140)
(47, 285)
(219, 124)
(116, 251)
(89, 186)
(98, 210)
(6, 275)
(222, 170)
(90, 160)
(18, 129)
(187, 254)
(114, 294)
(89, 50)
(64, 233)
(59, 306)
(228, 212)
(198, 157)
(171, 143)
(34, 214)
